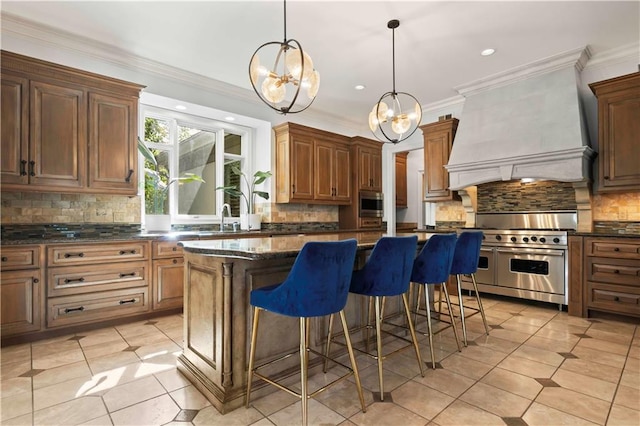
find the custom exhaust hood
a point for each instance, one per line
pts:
(524, 123)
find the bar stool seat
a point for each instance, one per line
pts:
(386, 273)
(432, 267)
(317, 285)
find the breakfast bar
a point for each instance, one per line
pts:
(219, 276)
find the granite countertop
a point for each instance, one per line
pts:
(606, 234)
(281, 246)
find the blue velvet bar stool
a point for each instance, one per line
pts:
(317, 285)
(465, 262)
(386, 273)
(432, 267)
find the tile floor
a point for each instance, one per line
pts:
(539, 366)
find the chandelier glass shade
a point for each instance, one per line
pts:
(396, 115)
(287, 81)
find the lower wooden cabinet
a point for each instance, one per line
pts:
(168, 283)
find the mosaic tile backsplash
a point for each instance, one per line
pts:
(515, 196)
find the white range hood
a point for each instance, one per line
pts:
(524, 123)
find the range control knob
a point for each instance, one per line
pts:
(498, 237)
(525, 239)
(514, 239)
(556, 240)
(534, 239)
(543, 240)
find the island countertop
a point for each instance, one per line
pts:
(281, 246)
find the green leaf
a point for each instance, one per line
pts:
(146, 152)
(262, 194)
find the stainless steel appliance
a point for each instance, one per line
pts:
(525, 255)
(370, 204)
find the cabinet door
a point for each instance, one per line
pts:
(301, 168)
(376, 170)
(14, 142)
(113, 143)
(401, 180)
(437, 146)
(21, 302)
(168, 283)
(342, 180)
(324, 171)
(58, 136)
(364, 169)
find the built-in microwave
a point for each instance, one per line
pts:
(370, 204)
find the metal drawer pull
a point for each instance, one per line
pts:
(175, 249)
(76, 280)
(80, 309)
(127, 252)
(131, 274)
(32, 166)
(5, 259)
(128, 178)
(124, 302)
(616, 249)
(23, 167)
(616, 299)
(67, 255)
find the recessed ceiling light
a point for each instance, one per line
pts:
(229, 118)
(181, 107)
(488, 52)
(360, 87)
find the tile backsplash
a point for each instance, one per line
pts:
(616, 207)
(516, 196)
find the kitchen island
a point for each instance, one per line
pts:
(219, 276)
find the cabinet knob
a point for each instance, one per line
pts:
(36, 280)
(175, 249)
(5, 259)
(175, 261)
(617, 271)
(606, 177)
(616, 299)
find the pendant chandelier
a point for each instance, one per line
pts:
(396, 115)
(291, 84)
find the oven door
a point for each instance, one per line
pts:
(531, 269)
(486, 266)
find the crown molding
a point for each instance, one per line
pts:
(628, 52)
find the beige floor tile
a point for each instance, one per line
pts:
(24, 420)
(513, 382)
(60, 392)
(628, 397)
(97, 351)
(391, 380)
(539, 355)
(446, 381)
(14, 369)
(62, 338)
(516, 324)
(592, 369)
(497, 344)
(634, 352)
(172, 380)
(61, 374)
(599, 357)
(630, 378)
(461, 413)
(527, 367)
(623, 339)
(100, 336)
(14, 386)
(483, 354)
(559, 335)
(549, 344)
(109, 379)
(604, 346)
(154, 350)
(41, 351)
(102, 421)
(541, 415)
(155, 411)
(632, 364)
(465, 366)
(112, 361)
(132, 393)
(571, 402)
(512, 335)
(614, 327)
(405, 363)
(341, 397)
(623, 416)
(266, 422)
(420, 399)
(15, 353)
(240, 417)
(584, 384)
(15, 406)
(58, 359)
(317, 413)
(496, 401)
(274, 401)
(72, 412)
(384, 414)
(189, 398)
(153, 338)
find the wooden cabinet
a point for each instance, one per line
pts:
(618, 133)
(401, 179)
(438, 140)
(66, 130)
(312, 166)
(168, 274)
(21, 290)
(610, 276)
(94, 282)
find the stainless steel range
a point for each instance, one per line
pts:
(525, 255)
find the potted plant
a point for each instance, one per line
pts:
(156, 189)
(250, 220)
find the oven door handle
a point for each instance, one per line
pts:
(540, 252)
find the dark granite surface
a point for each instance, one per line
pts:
(606, 234)
(281, 246)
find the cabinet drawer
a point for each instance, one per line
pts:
(613, 271)
(24, 257)
(164, 249)
(84, 279)
(371, 222)
(619, 299)
(613, 248)
(89, 254)
(94, 307)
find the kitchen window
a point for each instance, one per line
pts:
(186, 144)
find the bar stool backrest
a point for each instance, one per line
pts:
(388, 269)
(433, 264)
(467, 253)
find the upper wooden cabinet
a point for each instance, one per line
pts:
(438, 140)
(368, 154)
(401, 179)
(618, 133)
(66, 130)
(312, 166)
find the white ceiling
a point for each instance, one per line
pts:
(438, 43)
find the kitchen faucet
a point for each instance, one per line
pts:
(228, 207)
